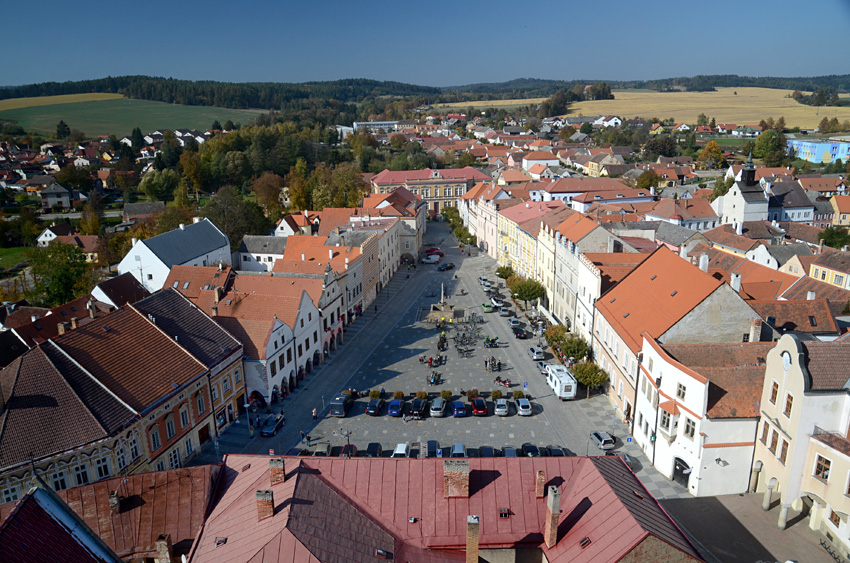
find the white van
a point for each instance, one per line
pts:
(561, 381)
(401, 450)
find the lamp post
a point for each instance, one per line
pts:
(347, 435)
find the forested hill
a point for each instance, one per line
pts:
(261, 95)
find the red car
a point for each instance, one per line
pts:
(434, 250)
(479, 407)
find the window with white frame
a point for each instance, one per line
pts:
(174, 458)
(160, 466)
(226, 384)
(156, 443)
(189, 447)
(665, 420)
(214, 388)
(184, 417)
(690, 428)
(237, 375)
(134, 448)
(101, 467)
(59, 481)
(121, 457)
(11, 494)
(169, 428)
(620, 389)
(680, 391)
(202, 406)
(81, 474)
(822, 466)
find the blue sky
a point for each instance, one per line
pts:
(438, 43)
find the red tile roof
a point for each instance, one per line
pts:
(806, 316)
(403, 176)
(531, 210)
(327, 511)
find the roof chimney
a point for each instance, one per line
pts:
(820, 247)
(114, 502)
(214, 311)
(302, 256)
(703, 262)
(182, 226)
(33, 318)
(553, 512)
(330, 254)
(540, 484)
(134, 241)
(164, 549)
(277, 470)
(217, 292)
(265, 505)
(90, 306)
(472, 539)
(755, 330)
(735, 282)
(810, 296)
(73, 323)
(739, 229)
(455, 478)
(63, 327)
(346, 262)
(196, 220)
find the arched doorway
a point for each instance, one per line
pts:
(332, 344)
(309, 366)
(681, 472)
(293, 383)
(317, 358)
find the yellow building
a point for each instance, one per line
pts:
(832, 267)
(841, 205)
(518, 246)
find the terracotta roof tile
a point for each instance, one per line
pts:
(827, 364)
(799, 316)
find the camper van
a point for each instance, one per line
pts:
(341, 404)
(561, 381)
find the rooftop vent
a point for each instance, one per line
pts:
(504, 513)
(585, 541)
(246, 467)
(220, 541)
(653, 277)
(674, 293)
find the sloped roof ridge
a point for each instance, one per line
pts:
(4, 416)
(177, 342)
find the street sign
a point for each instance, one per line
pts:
(525, 385)
(628, 440)
(439, 453)
(271, 452)
(615, 419)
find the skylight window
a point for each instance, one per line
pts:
(813, 321)
(185, 285)
(674, 293)
(654, 276)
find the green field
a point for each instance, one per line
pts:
(118, 117)
(9, 257)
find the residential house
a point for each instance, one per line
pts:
(809, 319)
(798, 232)
(608, 121)
(143, 211)
(583, 202)
(259, 253)
(668, 297)
(303, 223)
(401, 205)
(561, 509)
(693, 213)
(54, 230)
(546, 158)
(823, 186)
(511, 244)
(788, 202)
(436, 187)
(801, 447)
(512, 177)
(88, 245)
(537, 250)
(120, 290)
(198, 244)
(697, 411)
(841, 207)
(57, 196)
(832, 267)
(777, 255)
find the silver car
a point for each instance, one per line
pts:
(501, 408)
(523, 407)
(438, 407)
(603, 440)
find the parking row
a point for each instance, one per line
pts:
(442, 407)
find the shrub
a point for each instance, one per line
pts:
(421, 395)
(346, 392)
(519, 394)
(398, 395)
(496, 394)
(446, 394)
(471, 394)
(374, 394)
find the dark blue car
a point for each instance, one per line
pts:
(458, 409)
(396, 407)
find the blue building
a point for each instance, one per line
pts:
(822, 151)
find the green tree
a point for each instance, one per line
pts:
(62, 130)
(590, 375)
(586, 128)
(555, 334)
(299, 197)
(660, 146)
(721, 187)
(528, 290)
(648, 179)
(235, 216)
(137, 139)
(575, 347)
(59, 273)
(267, 188)
(216, 126)
(349, 187)
(505, 272)
(711, 157)
(75, 178)
(835, 237)
(90, 219)
(702, 120)
(767, 142)
(159, 186)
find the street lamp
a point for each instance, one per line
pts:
(347, 435)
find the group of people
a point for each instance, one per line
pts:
(492, 364)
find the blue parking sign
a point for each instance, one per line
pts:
(628, 440)
(525, 385)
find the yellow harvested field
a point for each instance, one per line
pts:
(20, 103)
(748, 107)
(492, 103)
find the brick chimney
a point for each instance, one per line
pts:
(63, 327)
(553, 512)
(218, 291)
(540, 484)
(265, 505)
(735, 282)
(114, 502)
(472, 539)
(277, 470)
(755, 330)
(164, 549)
(455, 478)
(73, 323)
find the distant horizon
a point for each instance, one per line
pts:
(450, 44)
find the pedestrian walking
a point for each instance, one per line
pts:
(309, 441)
(303, 436)
(315, 414)
(486, 364)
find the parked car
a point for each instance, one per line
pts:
(472, 452)
(348, 450)
(487, 307)
(479, 407)
(504, 311)
(488, 451)
(375, 407)
(501, 407)
(523, 407)
(486, 285)
(374, 449)
(271, 425)
(541, 365)
(481, 280)
(622, 455)
(496, 302)
(458, 450)
(603, 440)
(509, 451)
(431, 259)
(438, 407)
(530, 450)
(535, 353)
(458, 409)
(418, 408)
(433, 449)
(519, 333)
(340, 405)
(435, 253)
(321, 449)
(401, 450)
(432, 249)
(446, 266)
(396, 407)
(555, 451)
(513, 322)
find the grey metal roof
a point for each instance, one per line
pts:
(348, 238)
(181, 245)
(784, 252)
(258, 244)
(674, 234)
(144, 208)
(788, 195)
(177, 317)
(753, 193)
